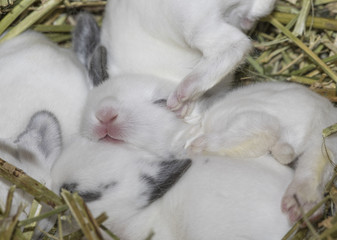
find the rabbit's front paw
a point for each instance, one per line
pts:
(181, 101)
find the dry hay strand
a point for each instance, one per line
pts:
(298, 43)
(12, 228)
(55, 18)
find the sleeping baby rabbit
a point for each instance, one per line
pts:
(285, 119)
(193, 43)
(207, 197)
(248, 122)
(36, 75)
(34, 151)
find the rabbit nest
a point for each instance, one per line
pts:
(297, 42)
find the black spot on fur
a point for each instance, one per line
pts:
(109, 185)
(169, 173)
(71, 187)
(90, 196)
(161, 102)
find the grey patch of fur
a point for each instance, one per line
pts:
(71, 187)
(169, 174)
(109, 185)
(98, 66)
(86, 37)
(48, 128)
(86, 44)
(161, 102)
(90, 196)
(10, 150)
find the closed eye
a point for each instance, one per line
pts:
(161, 102)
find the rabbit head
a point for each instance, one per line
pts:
(33, 151)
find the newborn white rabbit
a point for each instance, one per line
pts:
(204, 198)
(193, 43)
(34, 151)
(285, 119)
(282, 118)
(36, 75)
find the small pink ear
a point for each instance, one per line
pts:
(106, 114)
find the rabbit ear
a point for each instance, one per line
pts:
(42, 138)
(86, 44)
(98, 66)
(86, 37)
(169, 173)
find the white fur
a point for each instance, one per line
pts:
(217, 198)
(39, 75)
(282, 118)
(194, 43)
(139, 120)
(33, 151)
(36, 75)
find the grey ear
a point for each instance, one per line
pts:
(42, 137)
(86, 44)
(86, 37)
(98, 66)
(169, 173)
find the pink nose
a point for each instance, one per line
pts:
(106, 115)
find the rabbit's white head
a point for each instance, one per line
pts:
(36, 148)
(125, 108)
(132, 109)
(34, 152)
